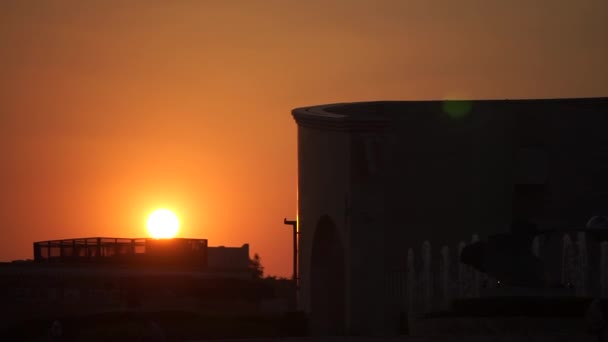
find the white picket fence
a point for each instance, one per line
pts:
(428, 284)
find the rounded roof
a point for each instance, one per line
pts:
(373, 113)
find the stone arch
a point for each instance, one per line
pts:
(327, 280)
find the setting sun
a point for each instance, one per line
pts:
(163, 224)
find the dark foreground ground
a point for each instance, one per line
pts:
(565, 338)
(472, 324)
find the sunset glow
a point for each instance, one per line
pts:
(163, 224)
(118, 108)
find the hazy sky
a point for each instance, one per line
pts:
(109, 109)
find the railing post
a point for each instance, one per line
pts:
(476, 274)
(427, 286)
(462, 270)
(582, 264)
(604, 269)
(411, 282)
(567, 260)
(445, 277)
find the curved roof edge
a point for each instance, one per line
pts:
(333, 117)
(372, 115)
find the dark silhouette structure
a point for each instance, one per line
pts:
(508, 257)
(176, 252)
(90, 276)
(327, 281)
(295, 278)
(376, 178)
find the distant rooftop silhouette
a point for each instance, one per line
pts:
(177, 251)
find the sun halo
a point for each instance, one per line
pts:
(163, 224)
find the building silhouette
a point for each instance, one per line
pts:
(87, 276)
(375, 178)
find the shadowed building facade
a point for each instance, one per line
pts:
(376, 178)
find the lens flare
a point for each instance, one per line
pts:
(457, 109)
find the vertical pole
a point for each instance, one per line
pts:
(295, 255)
(294, 224)
(38, 258)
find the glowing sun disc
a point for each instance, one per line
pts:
(163, 224)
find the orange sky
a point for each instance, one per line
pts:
(109, 109)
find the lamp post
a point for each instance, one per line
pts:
(294, 224)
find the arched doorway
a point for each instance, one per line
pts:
(327, 280)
